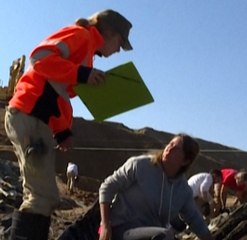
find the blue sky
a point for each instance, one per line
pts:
(191, 54)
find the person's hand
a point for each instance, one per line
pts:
(105, 232)
(217, 208)
(65, 145)
(96, 77)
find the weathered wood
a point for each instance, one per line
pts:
(235, 226)
(6, 148)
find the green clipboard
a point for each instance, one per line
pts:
(123, 90)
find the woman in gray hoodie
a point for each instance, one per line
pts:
(151, 191)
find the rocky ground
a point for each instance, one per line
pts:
(71, 207)
(228, 226)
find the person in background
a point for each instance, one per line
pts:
(141, 198)
(39, 115)
(202, 185)
(233, 182)
(72, 175)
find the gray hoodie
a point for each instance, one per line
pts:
(142, 195)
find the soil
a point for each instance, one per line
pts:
(72, 205)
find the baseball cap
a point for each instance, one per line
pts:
(117, 23)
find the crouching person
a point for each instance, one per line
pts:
(147, 192)
(203, 185)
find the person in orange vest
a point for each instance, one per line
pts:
(39, 116)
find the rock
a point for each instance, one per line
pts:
(233, 226)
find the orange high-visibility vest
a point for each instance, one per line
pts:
(45, 89)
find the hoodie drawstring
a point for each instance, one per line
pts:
(161, 200)
(161, 193)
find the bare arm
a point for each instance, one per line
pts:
(218, 198)
(105, 226)
(239, 195)
(236, 201)
(223, 196)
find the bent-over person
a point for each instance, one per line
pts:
(72, 175)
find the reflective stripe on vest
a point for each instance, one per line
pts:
(39, 54)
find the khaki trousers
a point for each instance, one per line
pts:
(34, 147)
